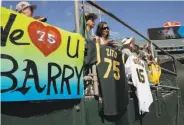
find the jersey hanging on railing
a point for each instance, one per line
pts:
(39, 61)
(136, 68)
(154, 73)
(164, 33)
(112, 79)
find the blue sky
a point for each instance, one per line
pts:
(140, 15)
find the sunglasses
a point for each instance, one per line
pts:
(104, 28)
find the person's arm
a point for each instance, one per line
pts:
(112, 43)
(97, 39)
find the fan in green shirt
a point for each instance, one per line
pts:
(87, 23)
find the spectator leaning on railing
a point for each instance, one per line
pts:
(153, 68)
(87, 23)
(151, 57)
(128, 46)
(28, 10)
(102, 35)
(90, 21)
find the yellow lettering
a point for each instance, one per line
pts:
(115, 54)
(108, 53)
(111, 52)
(116, 69)
(109, 67)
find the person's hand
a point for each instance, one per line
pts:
(86, 14)
(149, 62)
(154, 62)
(42, 19)
(112, 43)
(97, 39)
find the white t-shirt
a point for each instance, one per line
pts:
(100, 40)
(135, 68)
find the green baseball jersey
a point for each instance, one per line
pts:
(90, 52)
(112, 79)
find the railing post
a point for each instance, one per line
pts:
(77, 28)
(95, 80)
(76, 6)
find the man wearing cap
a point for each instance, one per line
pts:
(151, 52)
(128, 45)
(27, 9)
(87, 23)
(90, 21)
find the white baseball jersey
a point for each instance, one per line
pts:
(135, 68)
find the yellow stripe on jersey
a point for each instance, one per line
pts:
(123, 58)
(98, 53)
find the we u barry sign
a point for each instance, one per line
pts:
(39, 61)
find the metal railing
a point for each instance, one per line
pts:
(131, 28)
(163, 78)
(167, 77)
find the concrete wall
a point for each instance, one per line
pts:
(162, 112)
